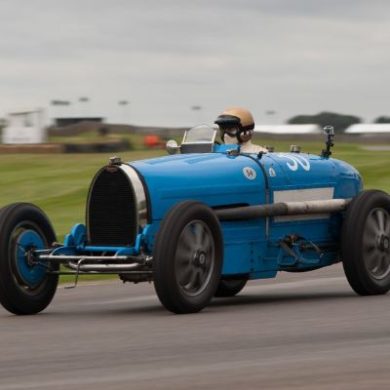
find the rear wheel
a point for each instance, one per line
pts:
(187, 258)
(366, 243)
(25, 285)
(230, 287)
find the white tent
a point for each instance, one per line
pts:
(25, 127)
(369, 128)
(289, 129)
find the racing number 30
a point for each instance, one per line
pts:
(294, 162)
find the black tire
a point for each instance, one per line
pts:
(187, 258)
(24, 288)
(230, 287)
(365, 243)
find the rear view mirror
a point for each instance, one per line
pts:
(172, 146)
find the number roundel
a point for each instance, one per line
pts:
(249, 173)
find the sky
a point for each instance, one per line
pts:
(164, 57)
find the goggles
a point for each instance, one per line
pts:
(232, 131)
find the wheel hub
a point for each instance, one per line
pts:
(384, 243)
(199, 259)
(29, 272)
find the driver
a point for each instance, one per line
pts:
(236, 125)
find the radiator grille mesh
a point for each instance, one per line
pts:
(111, 213)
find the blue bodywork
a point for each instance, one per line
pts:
(255, 248)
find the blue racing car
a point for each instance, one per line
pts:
(200, 223)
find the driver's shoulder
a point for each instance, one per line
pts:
(248, 147)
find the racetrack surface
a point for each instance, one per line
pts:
(298, 331)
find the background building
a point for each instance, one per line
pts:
(25, 127)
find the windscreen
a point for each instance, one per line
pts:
(200, 134)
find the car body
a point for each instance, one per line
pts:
(201, 223)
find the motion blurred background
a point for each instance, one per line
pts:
(173, 63)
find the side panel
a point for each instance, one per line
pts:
(245, 249)
(217, 180)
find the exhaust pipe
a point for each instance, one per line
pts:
(283, 208)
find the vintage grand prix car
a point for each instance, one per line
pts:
(201, 223)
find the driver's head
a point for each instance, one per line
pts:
(236, 125)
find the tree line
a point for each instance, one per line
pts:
(339, 121)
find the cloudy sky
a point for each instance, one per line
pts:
(166, 56)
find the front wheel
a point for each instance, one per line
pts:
(25, 285)
(187, 258)
(365, 245)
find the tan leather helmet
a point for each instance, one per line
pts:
(238, 122)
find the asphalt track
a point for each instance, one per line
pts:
(298, 331)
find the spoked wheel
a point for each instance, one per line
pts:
(187, 258)
(376, 244)
(366, 243)
(194, 252)
(25, 285)
(230, 287)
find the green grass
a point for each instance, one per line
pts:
(59, 183)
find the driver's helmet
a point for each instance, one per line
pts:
(236, 123)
